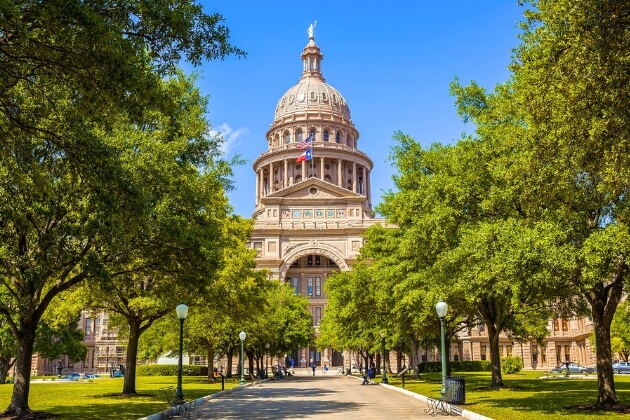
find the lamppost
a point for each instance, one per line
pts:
(441, 308)
(242, 336)
(182, 312)
(384, 377)
(267, 362)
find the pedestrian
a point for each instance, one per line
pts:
(325, 369)
(313, 366)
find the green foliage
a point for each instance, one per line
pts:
(171, 370)
(511, 365)
(620, 332)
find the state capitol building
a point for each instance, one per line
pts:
(313, 203)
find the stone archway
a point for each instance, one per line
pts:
(313, 247)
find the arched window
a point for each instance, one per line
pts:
(325, 135)
(299, 136)
(312, 134)
(348, 140)
(338, 137)
(287, 137)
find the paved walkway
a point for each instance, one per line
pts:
(319, 397)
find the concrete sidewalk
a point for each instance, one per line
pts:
(316, 397)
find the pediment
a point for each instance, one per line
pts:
(314, 188)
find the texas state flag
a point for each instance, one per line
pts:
(305, 156)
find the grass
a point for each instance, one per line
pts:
(101, 399)
(526, 396)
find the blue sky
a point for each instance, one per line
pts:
(392, 61)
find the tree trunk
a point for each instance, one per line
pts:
(399, 356)
(22, 380)
(230, 354)
(5, 366)
(604, 302)
(129, 386)
(413, 357)
(210, 355)
(495, 356)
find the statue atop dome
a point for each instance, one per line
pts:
(310, 30)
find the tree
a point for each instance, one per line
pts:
(466, 247)
(71, 73)
(560, 135)
(235, 296)
(180, 247)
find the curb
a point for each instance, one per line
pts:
(465, 413)
(164, 413)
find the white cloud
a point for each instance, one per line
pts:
(230, 137)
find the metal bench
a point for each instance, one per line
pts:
(177, 405)
(443, 404)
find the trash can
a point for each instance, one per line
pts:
(455, 389)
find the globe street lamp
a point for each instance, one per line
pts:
(242, 336)
(384, 377)
(441, 308)
(267, 362)
(182, 312)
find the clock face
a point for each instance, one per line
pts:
(301, 97)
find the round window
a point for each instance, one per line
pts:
(313, 191)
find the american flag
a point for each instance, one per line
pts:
(304, 144)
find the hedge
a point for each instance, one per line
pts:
(171, 370)
(459, 366)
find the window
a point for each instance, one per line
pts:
(509, 351)
(348, 140)
(88, 326)
(337, 137)
(483, 353)
(310, 286)
(312, 135)
(567, 353)
(310, 260)
(299, 136)
(318, 315)
(556, 324)
(296, 263)
(257, 245)
(287, 137)
(565, 325)
(318, 286)
(296, 286)
(318, 260)
(326, 135)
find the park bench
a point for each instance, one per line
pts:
(177, 405)
(443, 405)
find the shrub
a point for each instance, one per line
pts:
(511, 365)
(171, 370)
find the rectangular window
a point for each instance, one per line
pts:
(88, 326)
(310, 286)
(310, 260)
(97, 326)
(296, 286)
(508, 349)
(318, 315)
(556, 324)
(567, 353)
(318, 260)
(483, 353)
(318, 286)
(318, 356)
(558, 353)
(565, 325)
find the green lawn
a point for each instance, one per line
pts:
(98, 399)
(526, 396)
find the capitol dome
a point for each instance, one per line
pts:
(312, 94)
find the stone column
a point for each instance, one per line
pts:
(304, 170)
(366, 179)
(321, 169)
(257, 187)
(285, 174)
(271, 181)
(339, 177)
(354, 177)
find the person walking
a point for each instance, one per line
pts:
(325, 369)
(313, 366)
